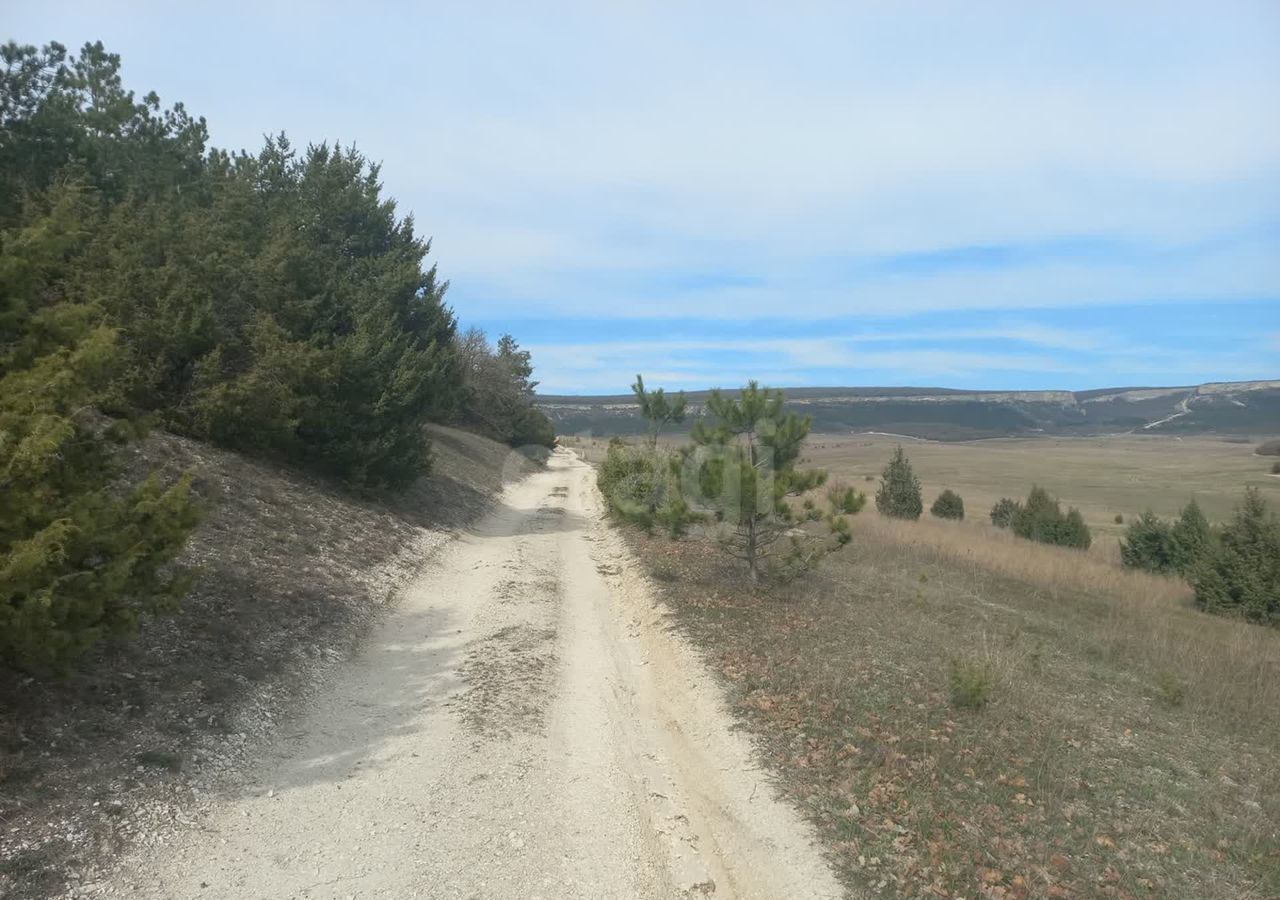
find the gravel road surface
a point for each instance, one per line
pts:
(522, 724)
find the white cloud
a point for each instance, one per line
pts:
(561, 154)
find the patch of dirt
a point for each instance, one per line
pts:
(291, 570)
(509, 676)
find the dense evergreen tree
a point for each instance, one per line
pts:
(1240, 575)
(1148, 544)
(289, 314)
(1155, 545)
(1192, 539)
(64, 115)
(272, 302)
(899, 493)
(78, 559)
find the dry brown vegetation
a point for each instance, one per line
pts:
(1102, 476)
(963, 713)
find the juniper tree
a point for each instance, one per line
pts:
(1148, 544)
(657, 409)
(80, 558)
(745, 472)
(1004, 512)
(1156, 545)
(1041, 519)
(948, 505)
(899, 493)
(1192, 538)
(1240, 575)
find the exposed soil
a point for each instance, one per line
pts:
(291, 572)
(522, 723)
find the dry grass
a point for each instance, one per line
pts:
(1102, 476)
(1148, 619)
(962, 713)
(955, 730)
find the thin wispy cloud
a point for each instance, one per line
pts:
(987, 195)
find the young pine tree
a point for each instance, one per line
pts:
(658, 410)
(746, 473)
(899, 493)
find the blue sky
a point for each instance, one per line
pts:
(980, 195)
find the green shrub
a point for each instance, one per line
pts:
(899, 493)
(1004, 512)
(641, 486)
(1268, 448)
(1148, 544)
(1275, 468)
(1240, 572)
(1192, 539)
(1041, 519)
(971, 681)
(846, 500)
(1152, 544)
(1119, 519)
(949, 505)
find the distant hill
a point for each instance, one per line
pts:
(1232, 408)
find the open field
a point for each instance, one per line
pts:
(1103, 476)
(1124, 743)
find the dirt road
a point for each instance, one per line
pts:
(522, 725)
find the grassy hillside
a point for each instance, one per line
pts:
(1126, 745)
(291, 569)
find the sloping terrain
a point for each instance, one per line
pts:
(522, 724)
(1247, 408)
(290, 571)
(960, 713)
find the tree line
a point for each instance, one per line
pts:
(275, 303)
